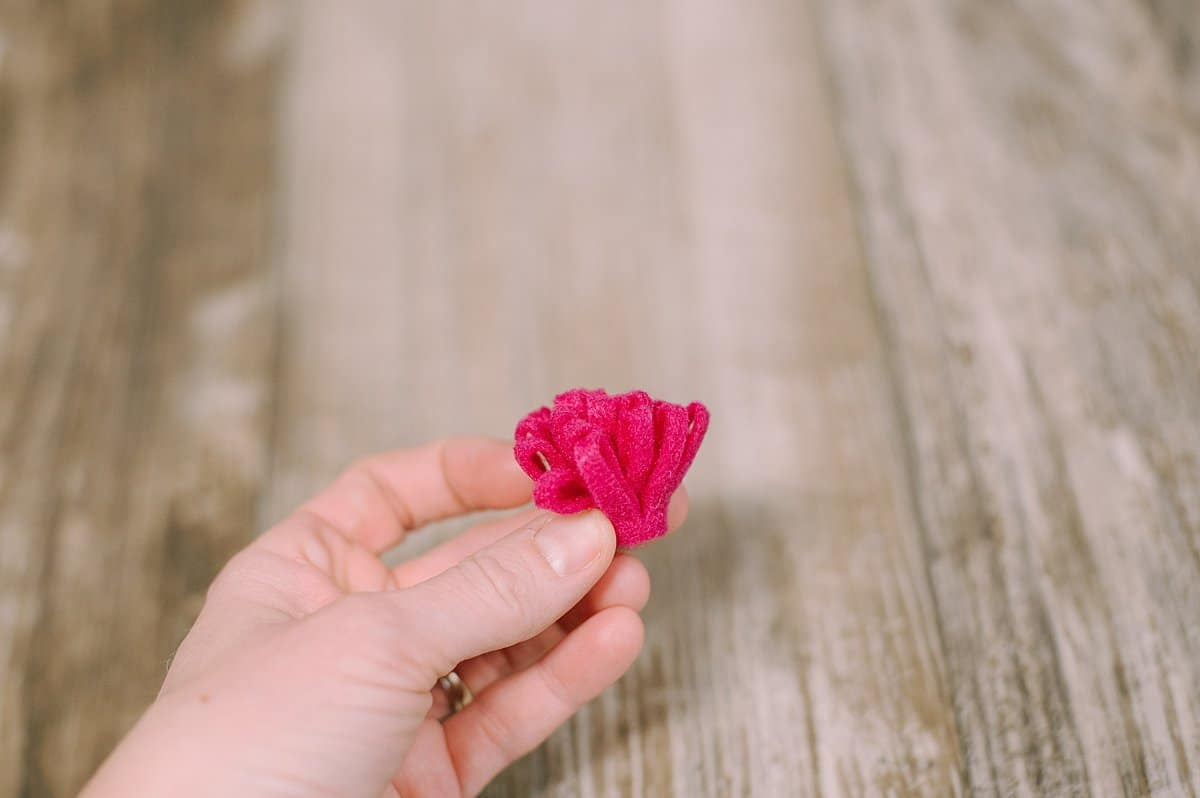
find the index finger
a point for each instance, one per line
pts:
(377, 500)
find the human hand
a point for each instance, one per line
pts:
(312, 668)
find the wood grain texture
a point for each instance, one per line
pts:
(935, 268)
(135, 332)
(1030, 203)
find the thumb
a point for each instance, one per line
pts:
(507, 592)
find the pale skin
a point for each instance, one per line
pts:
(312, 668)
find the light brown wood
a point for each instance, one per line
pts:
(935, 268)
(135, 339)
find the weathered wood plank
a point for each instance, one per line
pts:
(1030, 184)
(342, 370)
(829, 573)
(134, 345)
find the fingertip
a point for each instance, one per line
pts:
(630, 581)
(608, 537)
(516, 485)
(604, 530)
(574, 545)
(493, 467)
(626, 583)
(677, 509)
(621, 634)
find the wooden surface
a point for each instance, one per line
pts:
(934, 266)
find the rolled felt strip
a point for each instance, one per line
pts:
(625, 454)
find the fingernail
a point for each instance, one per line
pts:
(570, 542)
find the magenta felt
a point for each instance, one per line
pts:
(625, 454)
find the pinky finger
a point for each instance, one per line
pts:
(513, 716)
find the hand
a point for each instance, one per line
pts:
(311, 670)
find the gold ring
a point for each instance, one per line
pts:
(457, 692)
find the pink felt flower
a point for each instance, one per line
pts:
(624, 454)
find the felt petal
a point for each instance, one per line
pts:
(698, 416)
(635, 436)
(653, 525)
(601, 472)
(562, 491)
(534, 454)
(573, 431)
(570, 404)
(533, 443)
(536, 423)
(602, 412)
(670, 427)
(568, 419)
(569, 408)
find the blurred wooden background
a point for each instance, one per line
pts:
(935, 267)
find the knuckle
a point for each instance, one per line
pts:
(361, 476)
(555, 686)
(364, 475)
(504, 585)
